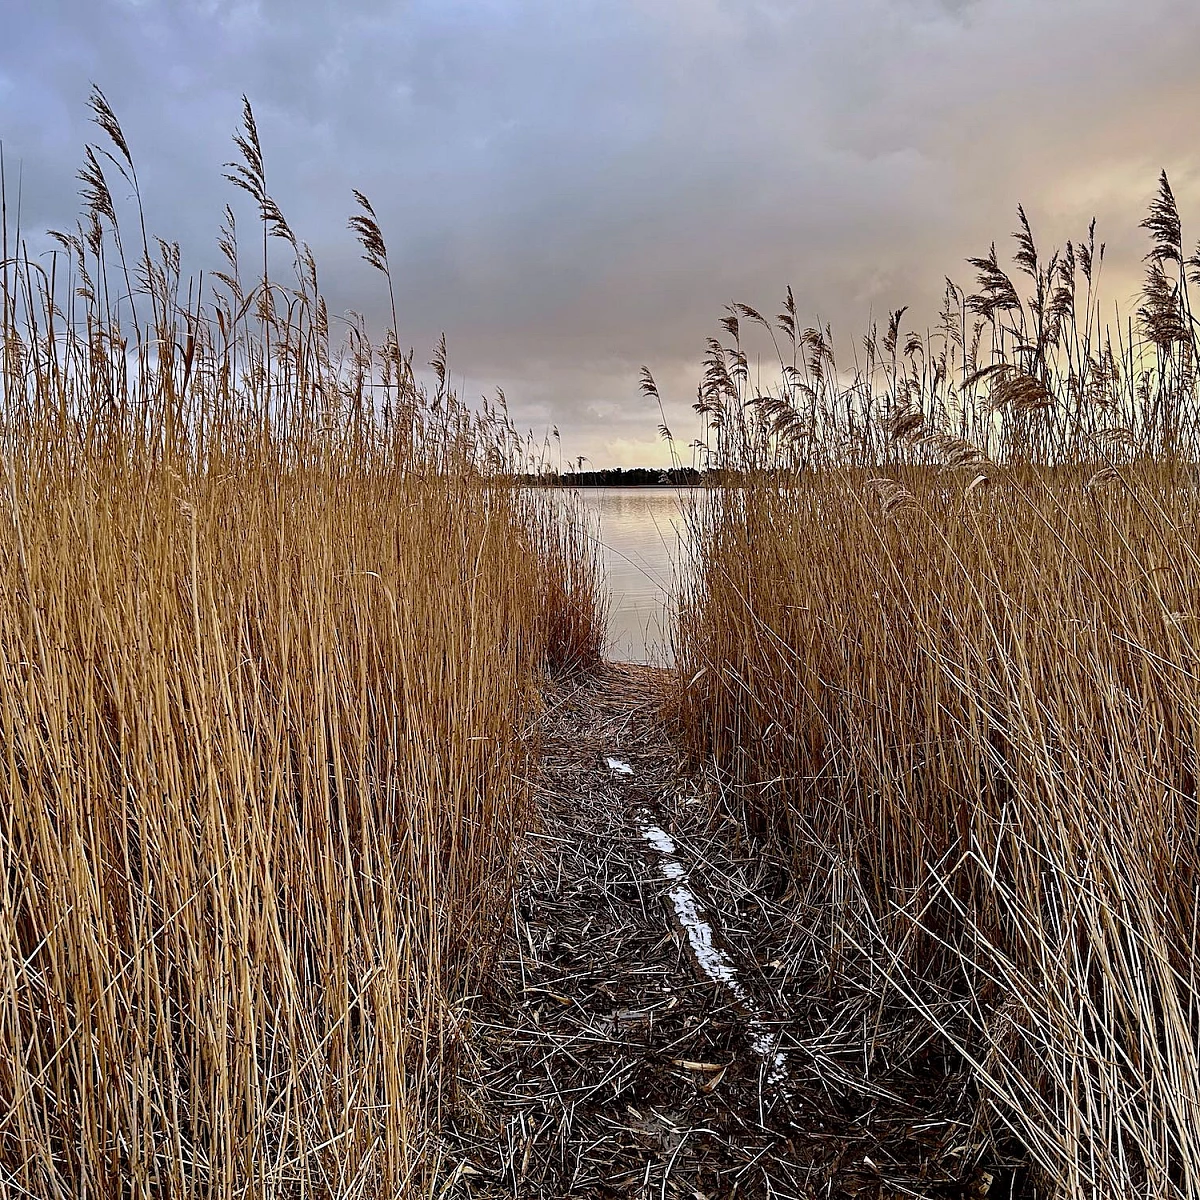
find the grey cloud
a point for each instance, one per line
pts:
(573, 188)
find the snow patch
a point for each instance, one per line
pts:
(711, 959)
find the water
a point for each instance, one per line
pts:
(639, 531)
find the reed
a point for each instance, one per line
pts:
(272, 628)
(943, 634)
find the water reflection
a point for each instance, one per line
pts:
(639, 531)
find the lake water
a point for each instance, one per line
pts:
(639, 531)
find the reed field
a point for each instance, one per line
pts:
(272, 630)
(277, 615)
(942, 637)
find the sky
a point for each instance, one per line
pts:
(570, 189)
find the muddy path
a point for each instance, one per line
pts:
(662, 1024)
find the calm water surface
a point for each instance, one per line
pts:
(640, 532)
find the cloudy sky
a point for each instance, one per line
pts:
(571, 188)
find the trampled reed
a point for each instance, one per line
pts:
(272, 624)
(944, 633)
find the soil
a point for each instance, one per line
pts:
(605, 1061)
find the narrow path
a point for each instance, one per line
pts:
(656, 1030)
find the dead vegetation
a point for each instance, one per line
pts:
(608, 1065)
(941, 642)
(272, 630)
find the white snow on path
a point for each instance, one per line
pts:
(711, 959)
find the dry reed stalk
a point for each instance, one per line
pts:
(990, 710)
(271, 630)
(944, 632)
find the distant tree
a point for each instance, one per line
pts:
(621, 477)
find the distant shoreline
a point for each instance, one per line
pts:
(620, 477)
(648, 486)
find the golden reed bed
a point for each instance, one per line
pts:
(272, 627)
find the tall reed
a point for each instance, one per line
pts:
(947, 643)
(272, 625)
